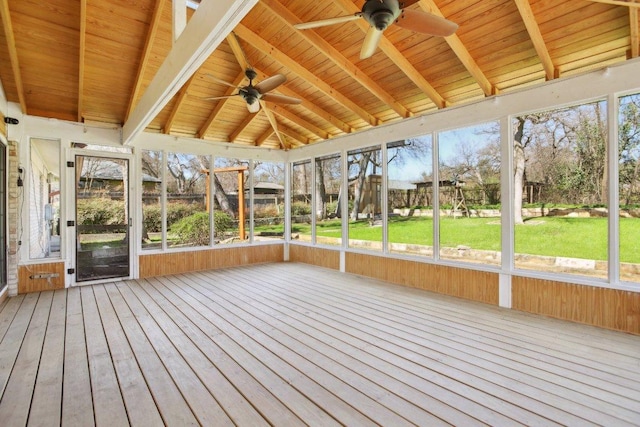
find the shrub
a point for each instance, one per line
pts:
(180, 210)
(175, 212)
(222, 221)
(269, 211)
(194, 229)
(152, 218)
(300, 208)
(100, 211)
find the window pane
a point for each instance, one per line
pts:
(629, 176)
(469, 193)
(560, 179)
(231, 207)
(44, 198)
(187, 197)
(301, 201)
(151, 199)
(410, 196)
(328, 183)
(268, 200)
(365, 198)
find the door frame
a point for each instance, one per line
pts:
(70, 213)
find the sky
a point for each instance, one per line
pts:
(449, 145)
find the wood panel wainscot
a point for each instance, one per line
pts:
(607, 308)
(208, 259)
(473, 285)
(40, 277)
(321, 257)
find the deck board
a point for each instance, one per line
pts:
(518, 378)
(293, 344)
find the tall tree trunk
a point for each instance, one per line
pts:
(602, 127)
(320, 211)
(221, 197)
(518, 172)
(358, 192)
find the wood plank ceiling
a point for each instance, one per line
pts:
(91, 61)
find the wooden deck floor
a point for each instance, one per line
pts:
(291, 344)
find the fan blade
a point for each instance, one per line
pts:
(215, 98)
(270, 83)
(217, 80)
(370, 44)
(253, 108)
(426, 23)
(325, 22)
(280, 99)
(407, 3)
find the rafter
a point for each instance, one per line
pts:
(242, 126)
(81, 50)
(274, 125)
(265, 136)
(289, 19)
(13, 53)
(461, 52)
(296, 68)
(220, 106)
(293, 135)
(148, 44)
(208, 26)
(283, 112)
(396, 56)
(536, 37)
(313, 108)
(182, 95)
(628, 3)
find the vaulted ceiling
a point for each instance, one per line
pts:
(92, 60)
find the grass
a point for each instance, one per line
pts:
(584, 238)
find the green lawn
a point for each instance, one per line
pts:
(584, 238)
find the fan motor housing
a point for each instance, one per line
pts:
(381, 13)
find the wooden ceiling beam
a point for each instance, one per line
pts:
(250, 117)
(536, 38)
(294, 135)
(13, 53)
(281, 111)
(144, 61)
(81, 51)
(296, 68)
(274, 125)
(182, 95)
(220, 106)
(461, 52)
(266, 135)
(331, 53)
(628, 3)
(209, 25)
(396, 56)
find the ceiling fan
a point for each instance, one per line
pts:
(382, 13)
(252, 94)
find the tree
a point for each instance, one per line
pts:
(519, 163)
(629, 149)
